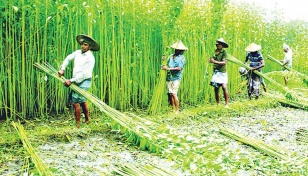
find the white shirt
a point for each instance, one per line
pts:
(288, 58)
(83, 65)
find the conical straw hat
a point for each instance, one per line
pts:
(179, 45)
(221, 41)
(84, 38)
(253, 47)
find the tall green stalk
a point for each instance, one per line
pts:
(133, 35)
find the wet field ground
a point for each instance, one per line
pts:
(101, 153)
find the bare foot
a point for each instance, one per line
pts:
(77, 124)
(87, 122)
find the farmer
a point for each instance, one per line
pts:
(82, 73)
(174, 67)
(220, 76)
(287, 61)
(256, 63)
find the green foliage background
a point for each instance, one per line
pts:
(133, 35)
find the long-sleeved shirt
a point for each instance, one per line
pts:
(83, 65)
(288, 58)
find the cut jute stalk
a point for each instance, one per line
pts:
(236, 61)
(281, 64)
(40, 166)
(129, 169)
(285, 90)
(257, 144)
(156, 103)
(127, 124)
(288, 68)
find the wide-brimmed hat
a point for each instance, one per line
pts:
(253, 47)
(179, 45)
(222, 42)
(84, 38)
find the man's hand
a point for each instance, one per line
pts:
(163, 57)
(252, 69)
(67, 83)
(164, 67)
(61, 73)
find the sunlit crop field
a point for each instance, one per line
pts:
(133, 36)
(127, 77)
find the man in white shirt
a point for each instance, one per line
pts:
(82, 73)
(287, 61)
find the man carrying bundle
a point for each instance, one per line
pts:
(82, 73)
(220, 76)
(256, 63)
(175, 66)
(287, 61)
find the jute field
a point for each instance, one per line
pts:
(133, 130)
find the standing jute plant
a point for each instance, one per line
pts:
(132, 33)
